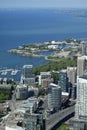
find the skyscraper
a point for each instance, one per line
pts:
(83, 46)
(54, 97)
(34, 121)
(80, 120)
(81, 64)
(81, 103)
(63, 81)
(27, 76)
(72, 74)
(27, 71)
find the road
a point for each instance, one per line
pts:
(57, 117)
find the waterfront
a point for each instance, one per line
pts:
(18, 27)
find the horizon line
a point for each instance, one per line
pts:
(26, 8)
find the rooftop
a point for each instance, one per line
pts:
(2, 128)
(54, 85)
(64, 71)
(45, 73)
(27, 66)
(84, 76)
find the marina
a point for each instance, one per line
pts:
(12, 71)
(13, 74)
(4, 73)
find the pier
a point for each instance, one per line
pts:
(12, 71)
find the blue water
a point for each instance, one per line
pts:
(18, 27)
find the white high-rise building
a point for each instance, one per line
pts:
(80, 120)
(81, 64)
(54, 97)
(81, 103)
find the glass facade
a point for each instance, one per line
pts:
(63, 81)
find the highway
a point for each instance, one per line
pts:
(58, 116)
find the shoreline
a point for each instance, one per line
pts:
(59, 48)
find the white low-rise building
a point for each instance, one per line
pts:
(53, 47)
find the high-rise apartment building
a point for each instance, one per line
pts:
(54, 97)
(81, 103)
(27, 75)
(80, 120)
(21, 92)
(34, 121)
(44, 75)
(63, 80)
(83, 46)
(27, 71)
(74, 91)
(72, 75)
(81, 64)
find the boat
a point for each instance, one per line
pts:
(4, 72)
(14, 72)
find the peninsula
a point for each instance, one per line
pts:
(65, 48)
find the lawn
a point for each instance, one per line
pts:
(63, 127)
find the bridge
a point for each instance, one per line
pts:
(56, 118)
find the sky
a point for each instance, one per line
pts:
(43, 3)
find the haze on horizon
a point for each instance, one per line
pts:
(43, 4)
